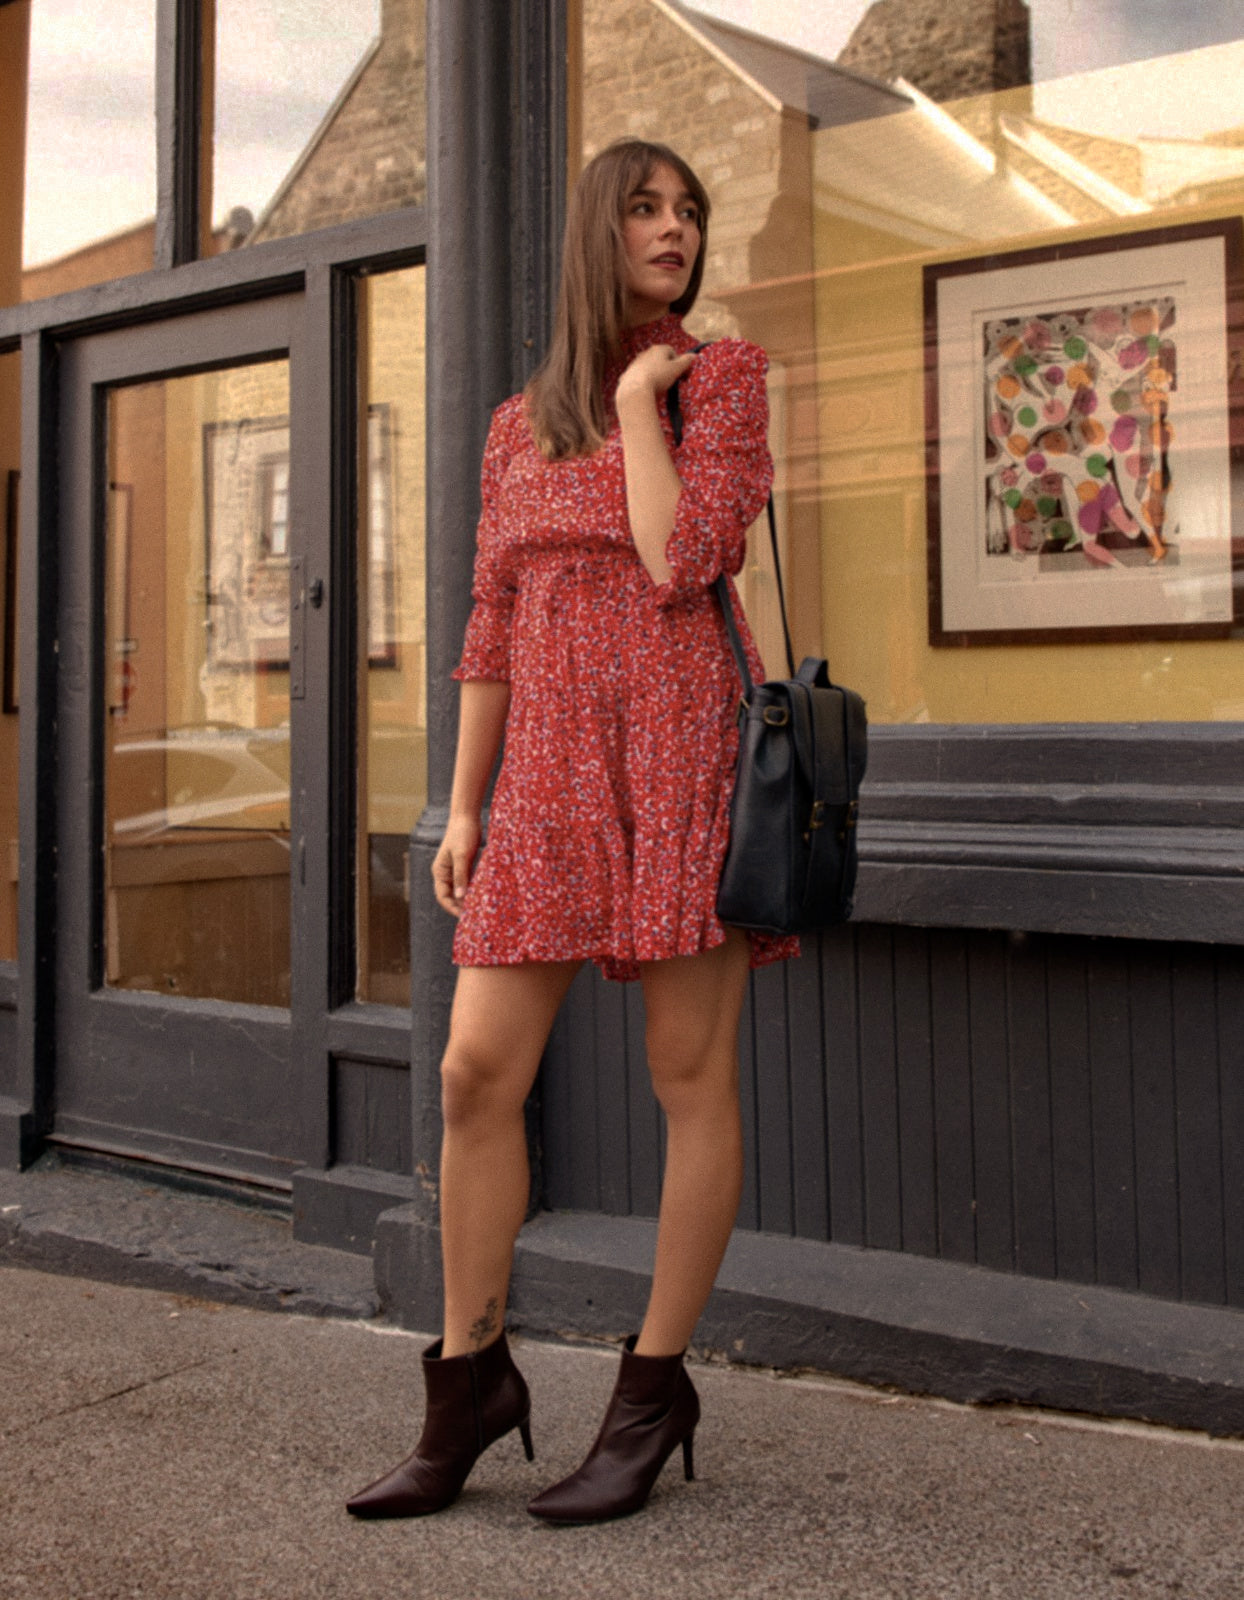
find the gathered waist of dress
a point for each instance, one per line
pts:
(575, 557)
(612, 568)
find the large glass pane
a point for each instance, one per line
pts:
(392, 754)
(10, 407)
(320, 113)
(197, 686)
(87, 102)
(1065, 544)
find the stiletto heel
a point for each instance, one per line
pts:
(687, 1464)
(524, 1429)
(654, 1409)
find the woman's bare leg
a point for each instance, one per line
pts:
(693, 1005)
(500, 1023)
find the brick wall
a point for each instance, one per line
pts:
(949, 51)
(372, 156)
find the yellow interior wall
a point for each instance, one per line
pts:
(392, 334)
(196, 693)
(870, 357)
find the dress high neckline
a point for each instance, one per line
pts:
(664, 329)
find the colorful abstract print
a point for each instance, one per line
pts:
(1078, 436)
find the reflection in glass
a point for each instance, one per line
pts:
(320, 114)
(196, 700)
(844, 149)
(392, 755)
(90, 143)
(10, 404)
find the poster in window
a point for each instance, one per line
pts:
(1078, 407)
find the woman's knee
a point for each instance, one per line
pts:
(480, 1084)
(690, 1075)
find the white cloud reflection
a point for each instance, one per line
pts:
(1101, 65)
(91, 156)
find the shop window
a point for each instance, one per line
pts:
(77, 144)
(197, 711)
(320, 113)
(10, 403)
(1030, 218)
(392, 657)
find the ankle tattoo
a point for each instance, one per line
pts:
(483, 1328)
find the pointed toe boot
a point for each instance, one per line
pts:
(472, 1401)
(654, 1409)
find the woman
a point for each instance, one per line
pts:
(596, 647)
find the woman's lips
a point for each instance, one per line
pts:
(671, 262)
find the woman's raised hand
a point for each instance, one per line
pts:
(451, 869)
(653, 371)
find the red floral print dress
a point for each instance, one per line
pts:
(610, 819)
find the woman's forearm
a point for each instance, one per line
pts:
(652, 484)
(482, 710)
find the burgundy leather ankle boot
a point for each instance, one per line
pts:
(654, 1409)
(472, 1401)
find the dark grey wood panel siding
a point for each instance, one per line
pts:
(1059, 1107)
(371, 1116)
(8, 1050)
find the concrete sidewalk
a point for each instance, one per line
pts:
(156, 1445)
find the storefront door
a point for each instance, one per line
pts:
(186, 601)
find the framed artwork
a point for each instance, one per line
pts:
(247, 512)
(10, 592)
(1078, 405)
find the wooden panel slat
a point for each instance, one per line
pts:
(1071, 1109)
(371, 1115)
(643, 1113)
(566, 1039)
(612, 1065)
(775, 1188)
(843, 1111)
(914, 1066)
(1153, 1096)
(749, 1205)
(991, 1110)
(1114, 1145)
(1229, 975)
(582, 1085)
(1031, 1140)
(952, 1098)
(809, 1135)
(883, 1211)
(1199, 1127)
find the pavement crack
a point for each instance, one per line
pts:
(103, 1399)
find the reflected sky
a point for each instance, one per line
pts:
(91, 116)
(282, 62)
(1067, 35)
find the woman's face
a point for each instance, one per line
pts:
(661, 240)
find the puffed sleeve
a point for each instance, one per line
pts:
(724, 465)
(486, 646)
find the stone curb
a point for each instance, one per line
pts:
(101, 1220)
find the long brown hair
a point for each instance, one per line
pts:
(565, 400)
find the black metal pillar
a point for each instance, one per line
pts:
(469, 372)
